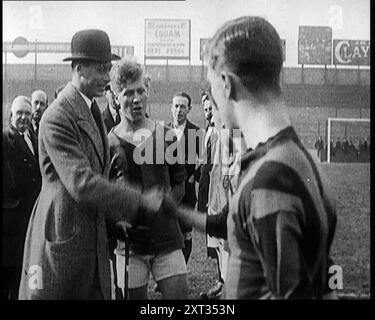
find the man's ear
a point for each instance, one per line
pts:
(229, 83)
(79, 68)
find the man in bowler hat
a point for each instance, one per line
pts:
(66, 249)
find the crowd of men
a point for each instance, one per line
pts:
(88, 190)
(344, 150)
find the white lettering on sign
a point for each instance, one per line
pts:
(346, 51)
(36, 17)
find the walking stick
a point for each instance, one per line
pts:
(126, 269)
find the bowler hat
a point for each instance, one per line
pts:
(91, 45)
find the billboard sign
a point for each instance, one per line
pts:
(167, 39)
(351, 52)
(314, 45)
(21, 47)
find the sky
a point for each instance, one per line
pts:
(124, 21)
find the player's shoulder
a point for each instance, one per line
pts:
(276, 175)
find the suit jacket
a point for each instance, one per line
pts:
(191, 155)
(21, 186)
(67, 236)
(109, 122)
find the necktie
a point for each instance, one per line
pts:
(209, 150)
(118, 118)
(36, 129)
(28, 142)
(95, 111)
(96, 114)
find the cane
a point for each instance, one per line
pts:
(126, 269)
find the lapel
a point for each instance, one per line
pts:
(87, 123)
(21, 144)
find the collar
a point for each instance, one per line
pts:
(180, 126)
(262, 148)
(87, 100)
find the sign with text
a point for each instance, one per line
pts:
(167, 39)
(21, 48)
(351, 52)
(314, 45)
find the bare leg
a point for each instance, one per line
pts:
(174, 287)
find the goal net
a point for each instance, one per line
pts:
(347, 140)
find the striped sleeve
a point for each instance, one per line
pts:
(276, 220)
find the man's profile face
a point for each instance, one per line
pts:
(94, 77)
(133, 100)
(180, 109)
(21, 113)
(39, 105)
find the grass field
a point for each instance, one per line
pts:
(350, 184)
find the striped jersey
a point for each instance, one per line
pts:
(281, 224)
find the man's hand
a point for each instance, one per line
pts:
(138, 234)
(151, 200)
(191, 179)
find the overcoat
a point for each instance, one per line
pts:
(66, 249)
(21, 186)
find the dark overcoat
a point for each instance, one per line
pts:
(66, 250)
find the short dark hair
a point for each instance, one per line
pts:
(124, 71)
(249, 47)
(185, 95)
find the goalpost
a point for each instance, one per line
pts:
(329, 130)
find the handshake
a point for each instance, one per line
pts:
(151, 202)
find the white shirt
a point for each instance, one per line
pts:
(179, 130)
(26, 136)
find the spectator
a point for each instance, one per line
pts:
(111, 113)
(181, 106)
(21, 187)
(345, 145)
(39, 102)
(338, 144)
(319, 146)
(210, 183)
